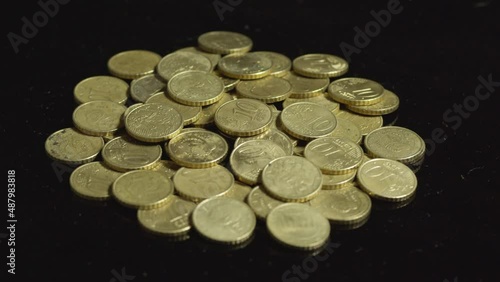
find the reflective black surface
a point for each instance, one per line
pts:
(431, 55)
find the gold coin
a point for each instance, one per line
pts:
(395, 143)
(124, 154)
(365, 123)
(145, 86)
(168, 168)
(387, 180)
(365, 159)
(336, 181)
(72, 147)
(292, 179)
(197, 149)
(189, 114)
(388, 104)
(93, 181)
(133, 63)
(153, 122)
(198, 184)
(127, 111)
(229, 83)
(345, 206)
(348, 129)
(181, 61)
(334, 155)
(274, 135)
(298, 226)
(248, 159)
(142, 189)
(118, 133)
(224, 42)
(224, 220)
(322, 99)
(269, 89)
(195, 88)
(281, 64)
(320, 65)
(172, 219)
(98, 88)
(306, 87)
(214, 58)
(239, 191)
(307, 121)
(261, 203)
(98, 118)
(243, 117)
(208, 112)
(245, 66)
(355, 91)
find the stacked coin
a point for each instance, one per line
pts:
(216, 136)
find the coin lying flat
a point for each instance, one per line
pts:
(273, 135)
(306, 87)
(239, 191)
(145, 86)
(72, 147)
(93, 181)
(321, 99)
(348, 129)
(224, 42)
(229, 83)
(298, 226)
(270, 89)
(336, 181)
(292, 179)
(243, 117)
(124, 154)
(214, 58)
(245, 66)
(198, 184)
(207, 115)
(100, 88)
(197, 149)
(195, 88)
(153, 122)
(142, 189)
(346, 206)
(261, 203)
(99, 118)
(387, 180)
(320, 65)
(180, 61)
(389, 103)
(132, 64)
(281, 64)
(224, 220)
(307, 121)
(189, 114)
(355, 91)
(365, 123)
(171, 219)
(168, 168)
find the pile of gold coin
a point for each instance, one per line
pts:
(217, 138)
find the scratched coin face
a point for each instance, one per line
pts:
(307, 121)
(224, 42)
(320, 65)
(125, 153)
(195, 88)
(224, 220)
(153, 122)
(107, 88)
(355, 91)
(99, 118)
(71, 147)
(93, 181)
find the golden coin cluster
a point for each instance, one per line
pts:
(218, 138)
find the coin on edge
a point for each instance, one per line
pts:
(153, 122)
(224, 42)
(93, 181)
(107, 88)
(125, 153)
(72, 147)
(320, 65)
(132, 64)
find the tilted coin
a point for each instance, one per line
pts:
(388, 103)
(197, 149)
(72, 147)
(198, 184)
(292, 179)
(298, 225)
(98, 118)
(245, 66)
(261, 203)
(142, 189)
(395, 143)
(93, 181)
(387, 180)
(107, 88)
(355, 91)
(195, 88)
(224, 42)
(334, 155)
(248, 159)
(214, 58)
(153, 122)
(306, 87)
(180, 61)
(145, 86)
(307, 121)
(132, 64)
(320, 65)
(168, 168)
(322, 99)
(274, 135)
(189, 114)
(239, 191)
(281, 64)
(243, 117)
(347, 205)
(125, 153)
(336, 181)
(128, 111)
(208, 112)
(229, 83)
(171, 219)
(348, 129)
(224, 220)
(270, 89)
(365, 123)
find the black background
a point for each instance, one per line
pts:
(430, 55)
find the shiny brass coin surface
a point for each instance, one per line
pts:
(348, 129)
(332, 181)
(145, 86)
(355, 91)
(388, 104)
(195, 88)
(214, 58)
(270, 89)
(320, 65)
(189, 114)
(306, 87)
(239, 191)
(307, 121)
(132, 64)
(261, 203)
(281, 64)
(153, 122)
(229, 83)
(93, 181)
(243, 117)
(181, 61)
(72, 147)
(322, 99)
(107, 88)
(245, 66)
(99, 118)
(224, 42)
(207, 115)
(273, 135)
(125, 153)
(168, 168)
(365, 123)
